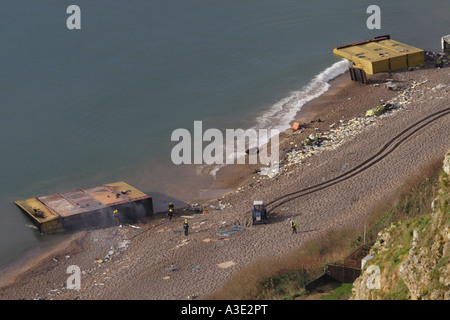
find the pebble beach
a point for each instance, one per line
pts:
(154, 260)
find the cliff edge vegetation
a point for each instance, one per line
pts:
(413, 255)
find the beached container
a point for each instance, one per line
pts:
(102, 206)
(381, 54)
(445, 43)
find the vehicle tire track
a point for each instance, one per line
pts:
(386, 150)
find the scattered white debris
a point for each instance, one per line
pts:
(225, 265)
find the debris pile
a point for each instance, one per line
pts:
(234, 228)
(337, 135)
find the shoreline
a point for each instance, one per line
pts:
(344, 100)
(229, 178)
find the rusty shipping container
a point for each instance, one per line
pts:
(102, 206)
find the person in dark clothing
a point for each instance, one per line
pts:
(171, 210)
(186, 227)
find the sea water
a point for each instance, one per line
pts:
(80, 108)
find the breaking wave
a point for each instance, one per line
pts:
(285, 110)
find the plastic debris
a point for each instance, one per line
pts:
(227, 264)
(312, 139)
(378, 110)
(220, 206)
(391, 86)
(236, 227)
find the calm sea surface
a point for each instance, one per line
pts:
(86, 107)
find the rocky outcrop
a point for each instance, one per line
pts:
(413, 256)
(447, 163)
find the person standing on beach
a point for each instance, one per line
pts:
(171, 210)
(294, 226)
(186, 227)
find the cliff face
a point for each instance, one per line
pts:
(411, 259)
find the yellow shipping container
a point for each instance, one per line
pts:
(381, 54)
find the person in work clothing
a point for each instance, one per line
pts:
(186, 227)
(294, 226)
(171, 210)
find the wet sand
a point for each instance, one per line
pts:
(155, 260)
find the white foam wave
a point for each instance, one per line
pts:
(284, 111)
(281, 113)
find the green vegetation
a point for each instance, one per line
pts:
(399, 292)
(343, 291)
(429, 240)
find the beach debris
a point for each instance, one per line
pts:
(220, 206)
(166, 278)
(225, 233)
(123, 244)
(270, 172)
(233, 229)
(107, 257)
(135, 227)
(378, 110)
(172, 268)
(98, 284)
(312, 139)
(439, 86)
(195, 267)
(391, 86)
(237, 227)
(295, 126)
(227, 264)
(181, 244)
(340, 132)
(440, 62)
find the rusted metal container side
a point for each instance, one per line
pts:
(93, 207)
(45, 219)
